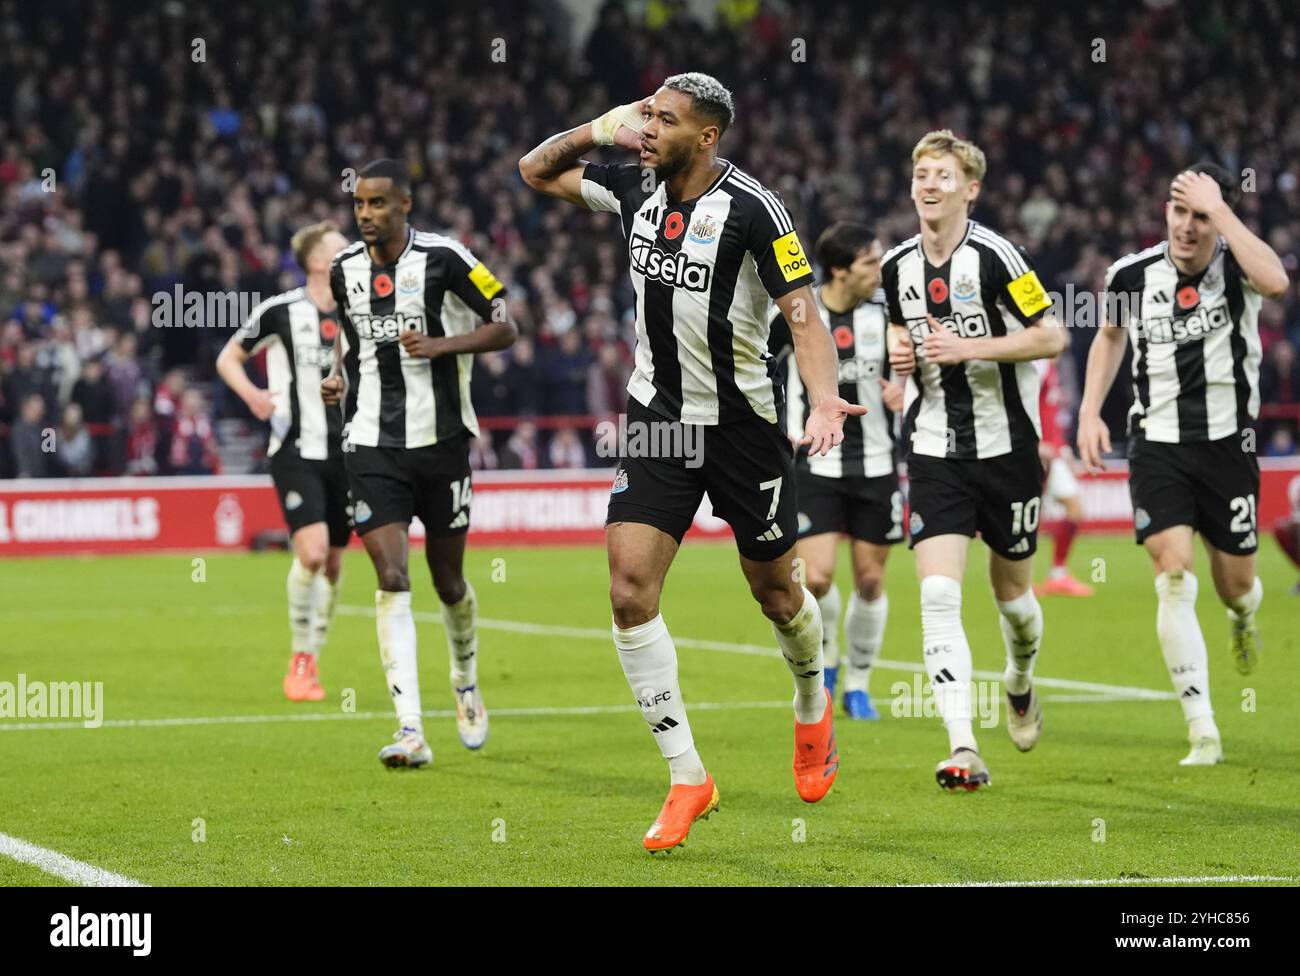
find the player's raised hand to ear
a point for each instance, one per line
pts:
(942, 347)
(825, 426)
(621, 126)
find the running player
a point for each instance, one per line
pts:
(1059, 483)
(709, 249)
(1190, 306)
(853, 489)
(298, 329)
(967, 313)
(414, 308)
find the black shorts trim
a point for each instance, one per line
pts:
(396, 484)
(312, 491)
(1211, 486)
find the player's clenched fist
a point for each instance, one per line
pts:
(331, 389)
(902, 354)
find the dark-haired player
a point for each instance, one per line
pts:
(1190, 307)
(852, 489)
(298, 329)
(974, 314)
(414, 308)
(710, 248)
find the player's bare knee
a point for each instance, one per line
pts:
(393, 579)
(312, 558)
(633, 600)
(449, 590)
(819, 584)
(779, 603)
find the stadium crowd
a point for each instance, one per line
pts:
(188, 156)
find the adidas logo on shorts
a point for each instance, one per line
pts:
(772, 534)
(460, 521)
(1021, 546)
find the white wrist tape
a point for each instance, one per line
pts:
(604, 127)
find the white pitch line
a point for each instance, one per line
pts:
(763, 650)
(1098, 882)
(62, 866)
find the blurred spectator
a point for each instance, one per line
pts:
(565, 450)
(29, 439)
(193, 446)
(74, 450)
(521, 449)
(481, 455)
(564, 375)
(1279, 375)
(1282, 441)
(607, 382)
(141, 440)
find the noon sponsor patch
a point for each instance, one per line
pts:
(1029, 294)
(790, 256)
(484, 280)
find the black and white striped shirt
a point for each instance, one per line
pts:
(437, 287)
(299, 344)
(976, 409)
(867, 450)
(1196, 348)
(705, 272)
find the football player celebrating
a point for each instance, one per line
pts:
(709, 248)
(1190, 307)
(298, 329)
(967, 314)
(853, 488)
(414, 308)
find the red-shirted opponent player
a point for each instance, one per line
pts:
(1059, 483)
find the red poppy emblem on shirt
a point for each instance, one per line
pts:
(383, 285)
(938, 289)
(1188, 296)
(843, 337)
(674, 225)
(328, 329)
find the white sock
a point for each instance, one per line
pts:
(649, 662)
(947, 657)
(800, 641)
(462, 638)
(324, 594)
(1022, 632)
(396, 627)
(302, 605)
(864, 627)
(829, 604)
(1244, 607)
(1183, 646)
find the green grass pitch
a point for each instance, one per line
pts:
(294, 794)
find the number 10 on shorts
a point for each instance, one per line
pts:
(1024, 514)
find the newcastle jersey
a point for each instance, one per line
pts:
(435, 286)
(704, 272)
(299, 343)
(976, 409)
(867, 450)
(1196, 348)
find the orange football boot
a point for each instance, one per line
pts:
(684, 806)
(1065, 585)
(816, 759)
(302, 683)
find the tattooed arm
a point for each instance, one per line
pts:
(555, 167)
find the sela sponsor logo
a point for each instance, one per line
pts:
(53, 699)
(78, 520)
(857, 370)
(1192, 327)
(387, 328)
(677, 270)
(73, 930)
(320, 357)
(968, 325)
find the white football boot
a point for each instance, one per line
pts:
(1205, 752)
(408, 750)
(1025, 726)
(963, 770)
(471, 717)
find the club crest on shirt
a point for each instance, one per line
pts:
(916, 523)
(292, 500)
(963, 289)
(409, 283)
(1141, 519)
(704, 230)
(620, 482)
(1212, 284)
